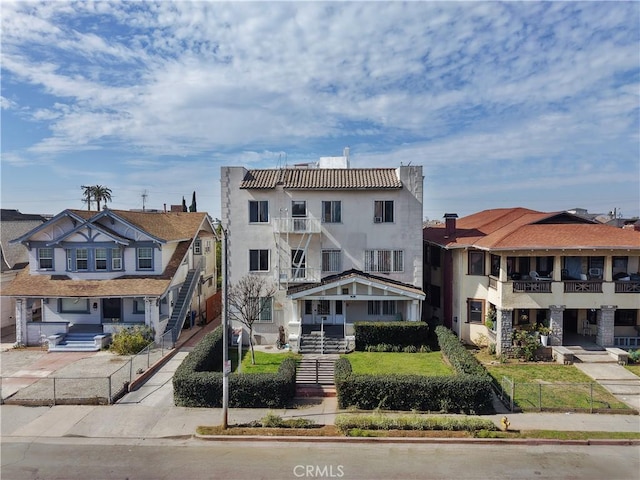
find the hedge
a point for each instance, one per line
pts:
(459, 357)
(197, 382)
(401, 334)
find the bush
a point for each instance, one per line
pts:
(634, 356)
(410, 349)
(131, 340)
(345, 423)
(393, 333)
(197, 382)
(460, 358)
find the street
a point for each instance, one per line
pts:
(81, 459)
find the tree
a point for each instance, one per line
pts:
(193, 207)
(184, 205)
(101, 194)
(87, 195)
(250, 300)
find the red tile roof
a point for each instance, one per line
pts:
(521, 228)
(323, 178)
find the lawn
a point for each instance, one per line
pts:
(554, 386)
(634, 368)
(265, 362)
(383, 363)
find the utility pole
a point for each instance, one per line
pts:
(144, 199)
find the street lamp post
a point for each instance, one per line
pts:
(226, 366)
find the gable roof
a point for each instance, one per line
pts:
(14, 224)
(522, 229)
(322, 179)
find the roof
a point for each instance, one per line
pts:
(14, 224)
(521, 228)
(323, 179)
(53, 286)
(9, 215)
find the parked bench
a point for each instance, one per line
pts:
(562, 355)
(621, 356)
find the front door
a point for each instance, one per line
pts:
(111, 310)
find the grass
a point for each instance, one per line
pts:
(383, 363)
(547, 386)
(634, 368)
(265, 362)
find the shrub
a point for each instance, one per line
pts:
(410, 349)
(460, 358)
(345, 423)
(392, 333)
(634, 356)
(131, 340)
(272, 420)
(424, 349)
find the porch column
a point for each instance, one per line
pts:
(556, 323)
(21, 321)
(606, 325)
(504, 331)
(152, 316)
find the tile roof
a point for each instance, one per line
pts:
(521, 228)
(53, 286)
(323, 179)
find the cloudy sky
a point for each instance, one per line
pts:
(504, 104)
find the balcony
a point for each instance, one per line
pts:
(535, 286)
(300, 275)
(627, 287)
(298, 225)
(582, 286)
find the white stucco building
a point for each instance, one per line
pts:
(341, 244)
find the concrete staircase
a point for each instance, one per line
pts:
(318, 343)
(314, 376)
(591, 355)
(78, 342)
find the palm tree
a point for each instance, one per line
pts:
(87, 195)
(101, 194)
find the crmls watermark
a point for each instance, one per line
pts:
(318, 471)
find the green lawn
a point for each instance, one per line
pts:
(382, 363)
(634, 368)
(554, 386)
(265, 362)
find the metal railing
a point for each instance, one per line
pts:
(80, 390)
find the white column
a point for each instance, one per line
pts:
(21, 321)
(152, 316)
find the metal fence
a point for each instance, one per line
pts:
(583, 397)
(82, 390)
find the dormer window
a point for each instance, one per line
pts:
(197, 247)
(45, 258)
(144, 258)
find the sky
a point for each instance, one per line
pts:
(517, 104)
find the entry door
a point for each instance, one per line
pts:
(111, 310)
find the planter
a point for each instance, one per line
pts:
(544, 339)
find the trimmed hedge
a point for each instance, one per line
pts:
(460, 393)
(460, 358)
(197, 382)
(401, 334)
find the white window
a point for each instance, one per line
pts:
(383, 211)
(116, 259)
(258, 211)
(332, 211)
(101, 258)
(264, 309)
(138, 306)
(144, 258)
(73, 305)
(69, 253)
(331, 261)
(384, 307)
(197, 247)
(298, 264)
(82, 259)
(324, 307)
(258, 260)
(45, 258)
(383, 260)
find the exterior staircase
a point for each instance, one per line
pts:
(79, 342)
(318, 343)
(314, 376)
(591, 355)
(181, 305)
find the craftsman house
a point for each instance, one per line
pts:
(340, 244)
(94, 272)
(522, 268)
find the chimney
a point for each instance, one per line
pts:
(450, 223)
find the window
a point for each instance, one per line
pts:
(145, 258)
(258, 211)
(338, 307)
(298, 264)
(331, 261)
(82, 259)
(476, 263)
(197, 247)
(475, 312)
(324, 307)
(116, 259)
(383, 260)
(138, 306)
(299, 214)
(620, 265)
(434, 256)
(264, 309)
(308, 307)
(383, 211)
(45, 258)
(625, 318)
(332, 211)
(101, 258)
(73, 305)
(384, 307)
(495, 265)
(258, 260)
(434, 295)
(69, 253)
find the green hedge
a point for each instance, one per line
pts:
(197, 382)
(460, 393)
(401, 334)
(460, 358)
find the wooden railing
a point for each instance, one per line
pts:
(627, 287)
(531, 286)
(582, 286)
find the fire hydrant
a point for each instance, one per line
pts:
(504, 422)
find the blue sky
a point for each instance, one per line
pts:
(526, 104)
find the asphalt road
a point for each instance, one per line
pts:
(78, 458)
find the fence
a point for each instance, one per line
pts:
(582, 397)
(81, 390)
